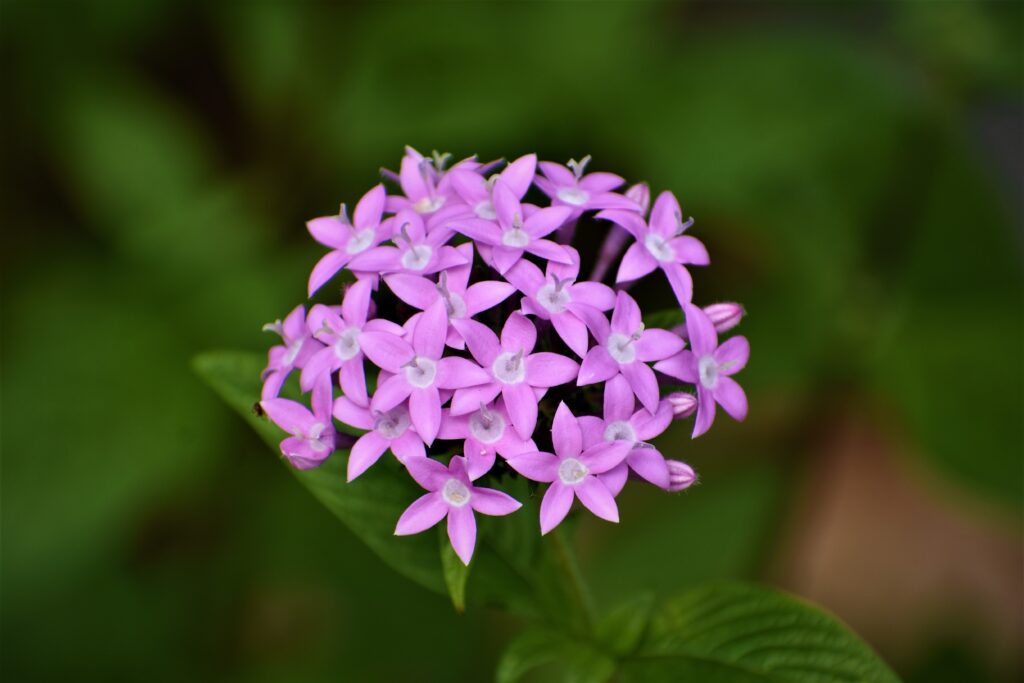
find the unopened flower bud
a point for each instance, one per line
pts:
(723, 316)
(683, 404)
(680, 475)
(641, 194)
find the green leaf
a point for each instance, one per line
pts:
(369, 506)
(455, 572)
(735, 633)
(622, 629)
(555, 657)
(504, 575)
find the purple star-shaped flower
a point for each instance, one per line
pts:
(419, 251)
(312, 433)
(660, 243)
(558, 297)
(568, 186)
(342, 334)
(299, 346)
(513, 370)
(572, 471)
(515, 232)
(390, 429)
(476, 191)
(418, 371)
(461, 299)
(622, 423)
(347, 238)
(489, 428)
(626, 347)
(710, 367)
(451, 494)
(425, 183)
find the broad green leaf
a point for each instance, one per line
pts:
(455, 572)
(622, 628)
(544, 654)
(369, 506)
(503, 574)
(736, 633)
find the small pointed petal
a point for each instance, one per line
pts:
(408, 446)
(415, 290)
(546, 249)
(506, 205)
(657, 344)
(705, 411)
(566, 436)
(547, 369)
(596, 497)
(636, 263)
(681, 475)
(631, 221)
(573, 332)
(291, 416)
(643, 382)
(351, 414)
(682, 366)
(370, 208)
(483, 344)
(329, 231)
(615, 478)
(666, 214)
(618, 399)
(462, 532)
(393, 391)
(425, 512)
(483, 296)
(518, 334)
(365, 452)
(596, 294)
(386, 351)
(683, 405)
(732, 397)
(703, 338)
(555, 506)
(429, 334)
(425, 411)
(605, 455)
(428, 473)
(518, 176)
(456, 373)
(648, 425)
(353, 380)
(598, 366)
(680, 281)
(535, 466)
(650, 465)
(626, 316)
(468, 400)
(690, 250)
(733, 355)
(325, 269)
(493, 502)
(546, 221)
(521, 404)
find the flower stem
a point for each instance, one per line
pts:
(580, 603)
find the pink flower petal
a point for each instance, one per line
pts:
(518, 334)
(386, 351)
(732, 355)
(605, 455)
(680, 281)
(643, 382)
(425, 411)
(631, 221)
(535, 466)
(648, 425)
(393, 391)
(596, 294)
(431, 329)
(289, 415)
(732, 397)
(690, 250)
(618, 399)
(650, 465)
(566, 435)
(705, 411)
(415, 290)
(546, 221)
(483, 344)
(555, 506)
(325, 269)
(468, 400)
(425, 512)
(615, 478)
(348, 412)
(596, 497)
(353, 380)
(506, 205)
(370, 208)
(657, 344)
(518, 175)
(365, 451)
(522, 407)
(682, 366)
(665, 214)
(456, 373)
(493, 502)
(573, 332)
(409, 446)
(462, 531)
(703, 338)
(636, 263)
(427, 472)
(482, 296)
(626, 316)
(598, 366)
(550, 369)
(329, 231)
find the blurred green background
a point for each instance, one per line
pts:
(854, 168)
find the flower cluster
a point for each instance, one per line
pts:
(467, 344)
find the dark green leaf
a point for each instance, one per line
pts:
(553, 656)
(622, 629)
(735, 633)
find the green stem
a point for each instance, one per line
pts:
(580, 601)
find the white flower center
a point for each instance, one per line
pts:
(620, 347)
(571, 471)
(509, 368)
(554, 297)
(455, 493)
(659, 248)
(707, 370)
(347, 345)
(516, 237)
(573, 195)
(360, 241)
(485, 210)
(619, 431)
(420, 372)
(314, 437)
(393, 423)
(428, 204)
(416, 257)
(486, 426)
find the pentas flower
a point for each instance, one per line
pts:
(660, 243)
(569, 186)
(347, 238)
(452, 494)
(625, 347)
(556, 296)
(572, 471)
(418, 250)
(461, 299)
(710, 367)
(343, 335)
(514, 233)
(418, 371)
(513, 370)
(487, 430)
(299, 346)
(389, 429)
(636, 427)
(312, 433)
(463, 253)
(476, 191)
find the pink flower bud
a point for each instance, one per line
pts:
(723, 316)
(683, 404)
(680, 475)
(641, 194)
